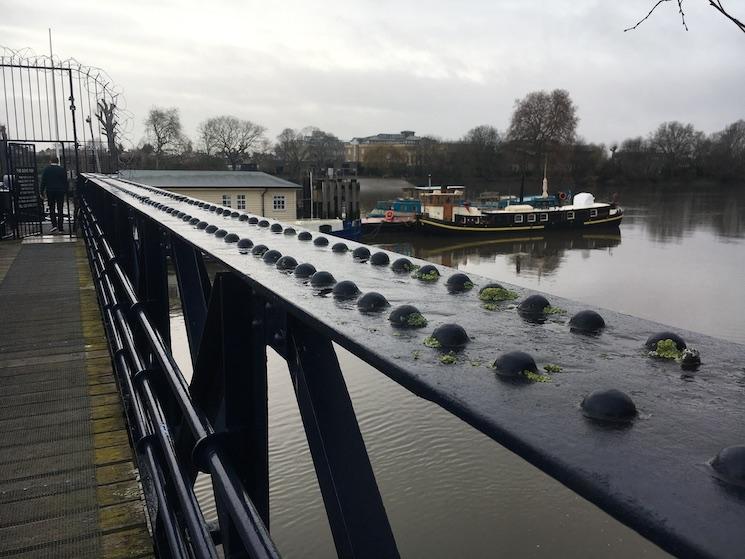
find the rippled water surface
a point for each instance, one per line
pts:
(678, 258)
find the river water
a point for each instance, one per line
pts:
(678, 258)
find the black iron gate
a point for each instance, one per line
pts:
(26, 212)
(47, 103)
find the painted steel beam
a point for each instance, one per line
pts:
(656, 472)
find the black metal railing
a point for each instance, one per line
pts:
(650, 472)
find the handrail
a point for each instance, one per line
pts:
(646, 471)
(251, 529)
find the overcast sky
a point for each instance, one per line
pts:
(438, 67)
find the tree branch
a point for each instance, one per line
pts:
(646, 17)
(716, 4)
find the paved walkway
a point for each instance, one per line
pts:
(67, 481)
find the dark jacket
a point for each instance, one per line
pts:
(54, 179)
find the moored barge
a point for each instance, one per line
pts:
(446, 212)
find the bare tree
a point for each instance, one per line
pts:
(323, 149)
(231, 137)
(727, 154)
(291, 150)
(716, 4)
(386, 160)
(482, 150)
(676, 142)
(163, 128)
(544, 123)
(106, 115)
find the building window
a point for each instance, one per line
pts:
(226, 200)
(519, 218)
(593, 213)
(240, 201)
(544, 217)
(570, 215)
(278, 202)
(531, 218)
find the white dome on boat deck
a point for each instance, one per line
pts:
(583, 200)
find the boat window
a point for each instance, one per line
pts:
(531, 218)
(544, 217)
(593, 213)
(518, 218)
(570, 215)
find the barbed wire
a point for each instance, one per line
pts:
(91, 82)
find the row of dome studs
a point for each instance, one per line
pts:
(605, 405)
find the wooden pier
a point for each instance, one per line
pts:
(68, 483)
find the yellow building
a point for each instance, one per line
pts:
(252, 191)
(405, 143)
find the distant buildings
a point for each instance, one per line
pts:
(251, 191)
(360, 150)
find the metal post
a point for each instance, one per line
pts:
(230, 384)
(353, 504)
(194, 289)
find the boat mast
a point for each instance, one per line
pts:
(545, 179)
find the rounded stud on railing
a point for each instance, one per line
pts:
(275, 228)
(450, 337)
(218, 211)
(243, 217)
(231, 238)
(304, 236)
(611, 405)
(259, 250)
(371, 302)
(220, 233)
(211, 229)
(202, 224)
(586, 322)
(532, 308)
(345, 289)
(322, 279)
(729, 464)
(289, 231)
(457, 283)
(253, 220)
(651, 342)
(533, 304)
(407, 316)
(361, 254)
(379, 259)
(514, 365)
(234, 214)
(186, 217)
(170, 210)
(320, 241)
(339, 248)
(271, 256)
(402, 266)
(213, 207)
(427, 273)
(286, 264)
(245, 244)
(305, 270)
(180, 214)
(263, 223)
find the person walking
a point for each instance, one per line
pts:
(54, 183)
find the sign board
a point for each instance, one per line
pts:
(24, 185)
